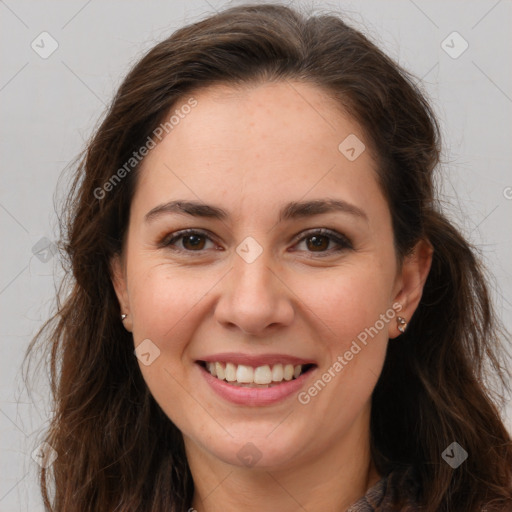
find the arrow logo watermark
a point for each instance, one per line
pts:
(454, 455)
(249, 454)
(44, 250)
(249, 250)
(44, 45)
(454, 45)
(351, 147)
(147, 352)
(44, 455)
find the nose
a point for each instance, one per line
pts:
(254, 298)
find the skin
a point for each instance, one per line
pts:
(250, 151)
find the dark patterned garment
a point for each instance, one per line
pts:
(380, 497)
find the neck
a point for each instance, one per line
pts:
(332, 479)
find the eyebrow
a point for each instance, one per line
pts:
(292, 210)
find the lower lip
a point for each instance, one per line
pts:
(255, 396)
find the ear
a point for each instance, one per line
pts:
(118, 276)
(411, 280)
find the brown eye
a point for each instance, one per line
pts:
(191, 242)
(317, 242)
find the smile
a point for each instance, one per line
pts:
(255, 377)
(255, 381)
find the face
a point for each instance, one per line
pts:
(260, 279)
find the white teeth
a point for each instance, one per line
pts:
(219, 371)
(245, 375)
(263, 375)
(288, 372)
(212, 369)
(277, 372)
(230, 372)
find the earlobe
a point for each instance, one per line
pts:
(413, 275)
(118, 277)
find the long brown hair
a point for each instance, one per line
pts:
(116, 448)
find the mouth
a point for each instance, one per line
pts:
(258, 377)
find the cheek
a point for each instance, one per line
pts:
(166, 303)
(351, 314)
(163, 301)
(347, 301)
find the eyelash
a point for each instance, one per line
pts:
(342, 241)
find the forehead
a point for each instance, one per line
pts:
(263, 141)
(281, 116)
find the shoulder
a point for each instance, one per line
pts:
(403, 487)
(398, 491)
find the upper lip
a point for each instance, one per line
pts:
(256, 360)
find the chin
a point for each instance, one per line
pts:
(254, 451)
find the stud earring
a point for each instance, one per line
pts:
(123, 317)
(402, 324)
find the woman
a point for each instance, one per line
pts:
(268, 309)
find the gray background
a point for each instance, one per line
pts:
(49, 107)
